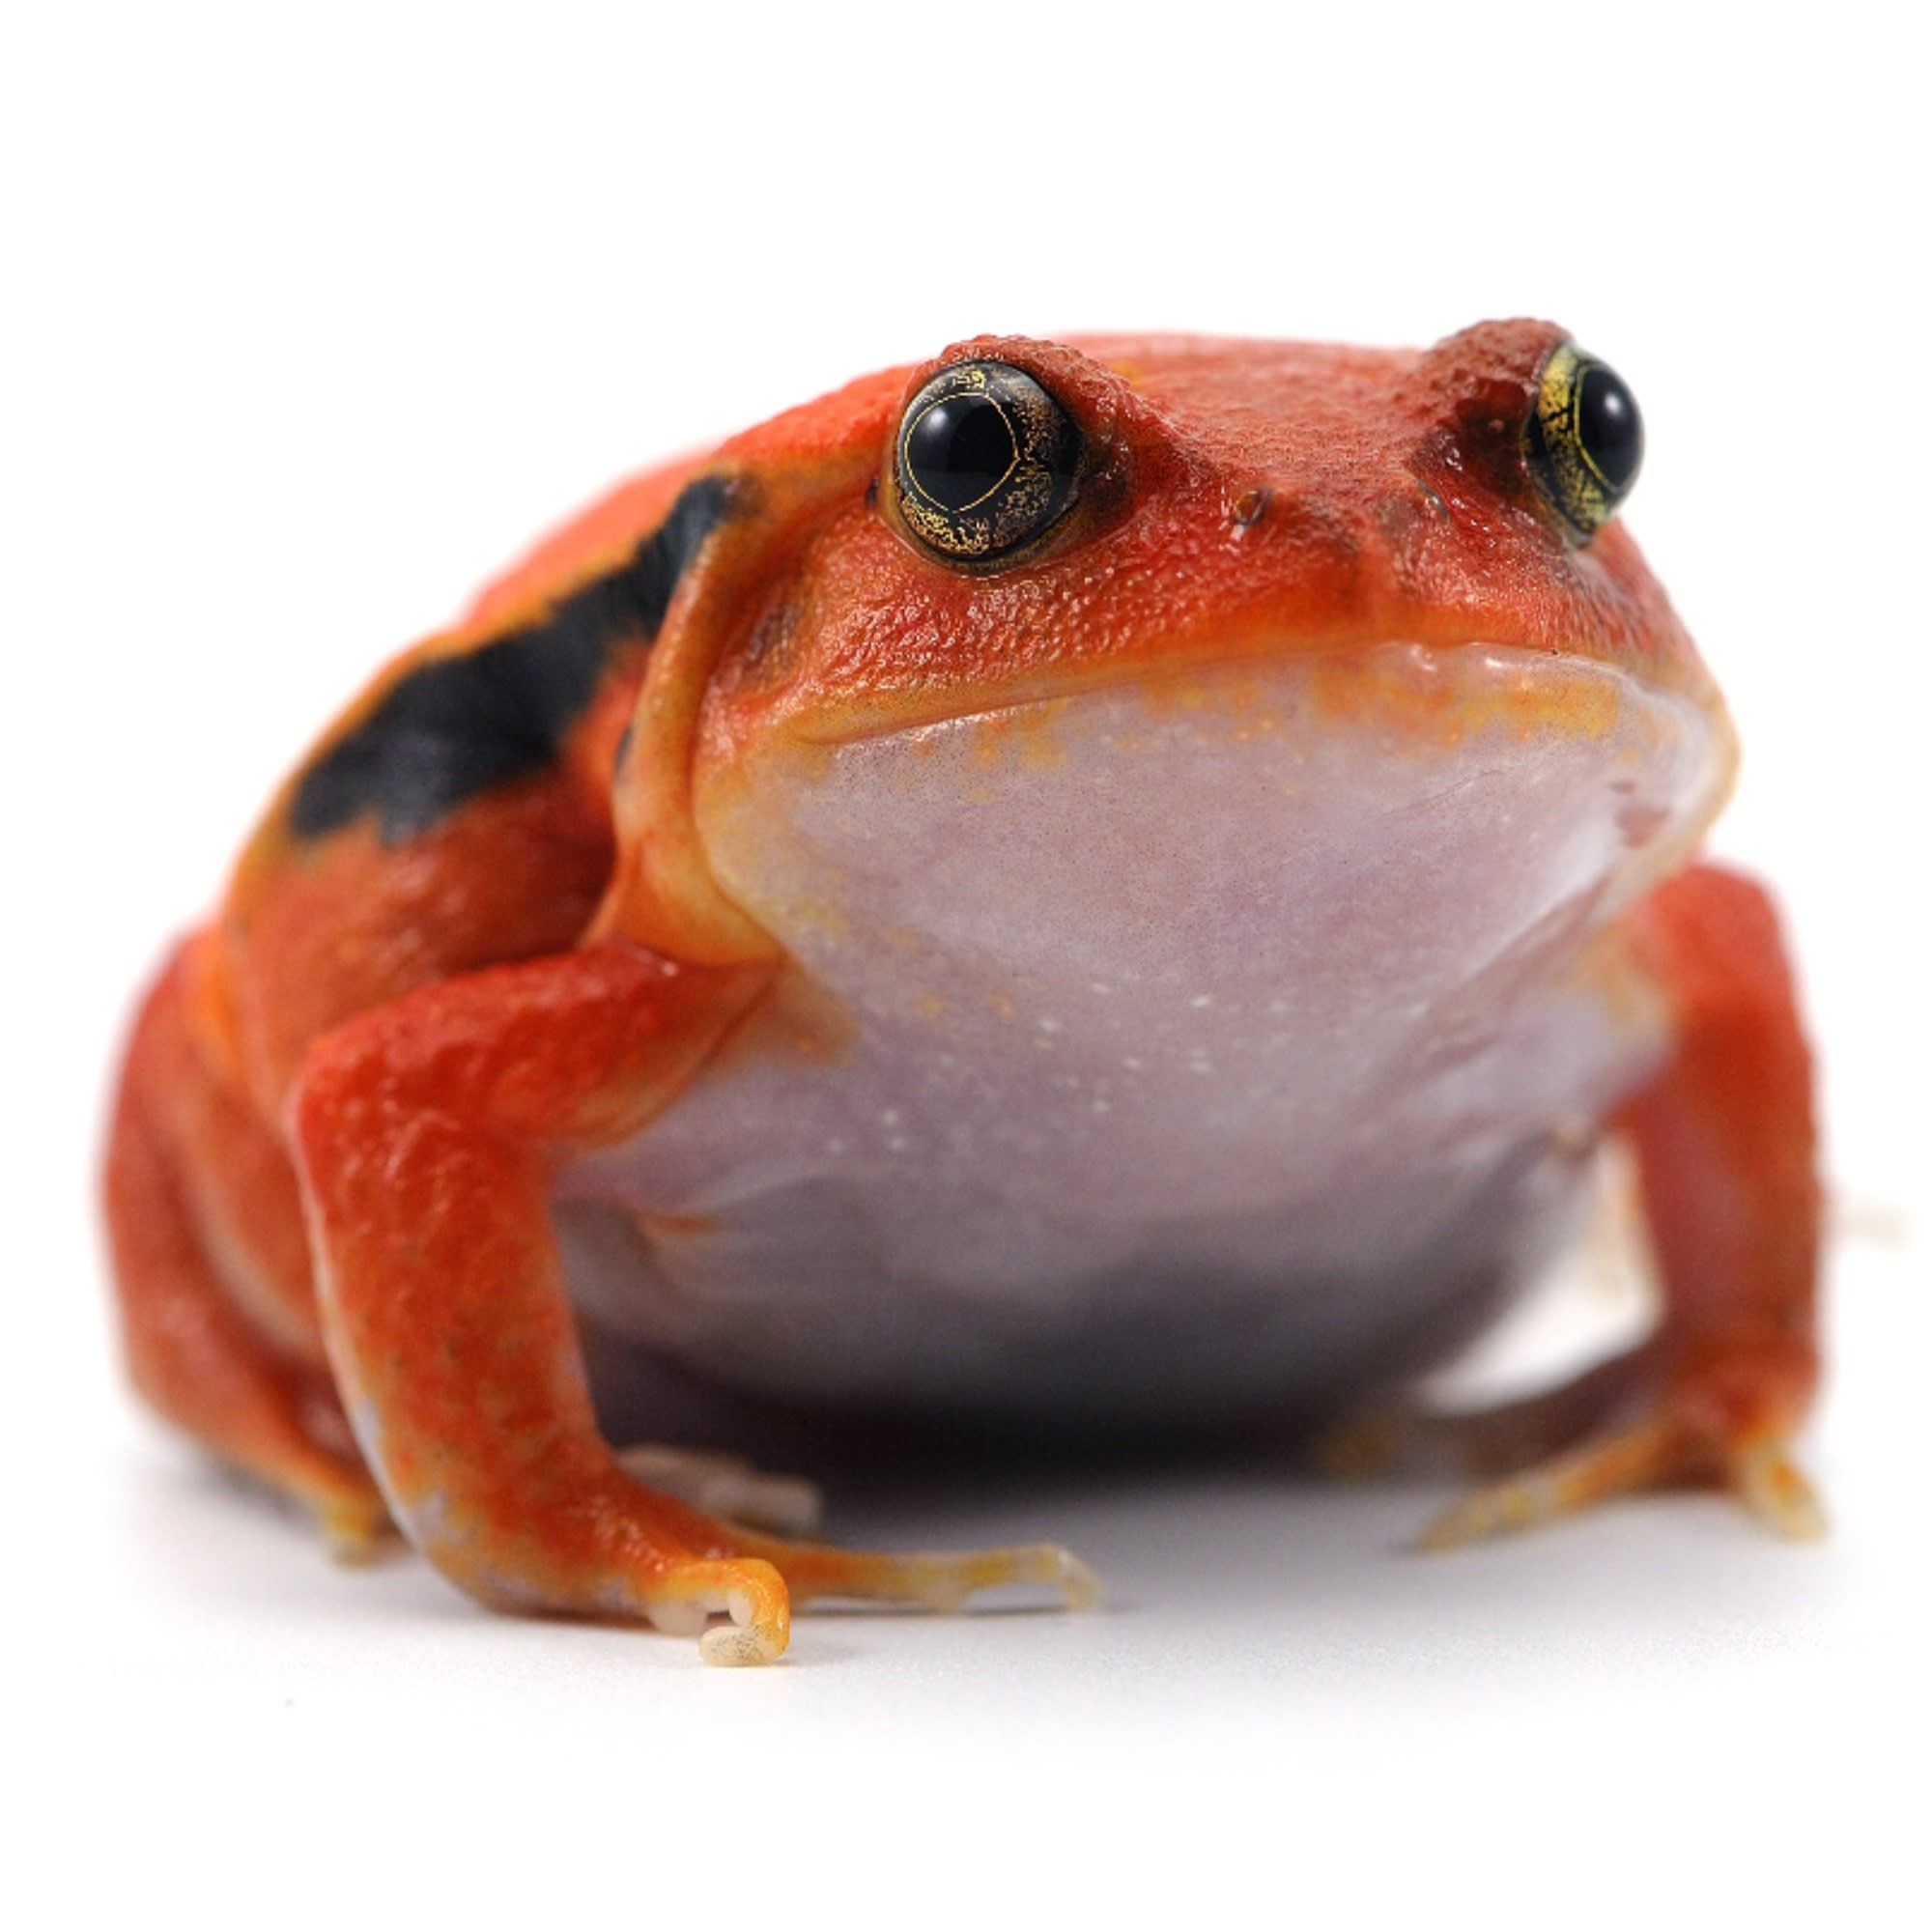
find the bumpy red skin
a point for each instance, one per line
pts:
(1727, 1156)
(345, 1099)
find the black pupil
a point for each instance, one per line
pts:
(960, 449)
(1608, 426)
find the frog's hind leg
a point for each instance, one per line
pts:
(195, 1348)
(1725, 1152)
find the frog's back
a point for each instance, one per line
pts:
(456, 812)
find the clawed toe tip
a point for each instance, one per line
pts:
(1776, 1491)
(1078, 1582)
(733, 1646)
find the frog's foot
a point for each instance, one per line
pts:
(727, 1485)
(356, 1527)
(939, 1580)
(1643, 1420)
(600, 1543)
(755, 1587)
(1498, 1440)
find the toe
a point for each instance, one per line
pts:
(748, 1591)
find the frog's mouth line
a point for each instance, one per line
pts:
(1420, 699)
(1426, 688)
(1228, 777)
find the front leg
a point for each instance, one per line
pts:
(1726, 1160)
(427, 1133)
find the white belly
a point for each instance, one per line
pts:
(1183, 1065)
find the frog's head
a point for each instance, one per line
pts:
(1074, 650)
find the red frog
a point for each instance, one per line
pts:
(1100, 884)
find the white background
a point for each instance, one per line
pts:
(310, 321)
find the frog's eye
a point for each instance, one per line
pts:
(1585, 439)
(986, 461)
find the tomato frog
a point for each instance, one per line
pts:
(1102, 885)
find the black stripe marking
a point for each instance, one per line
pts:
(463, 725)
